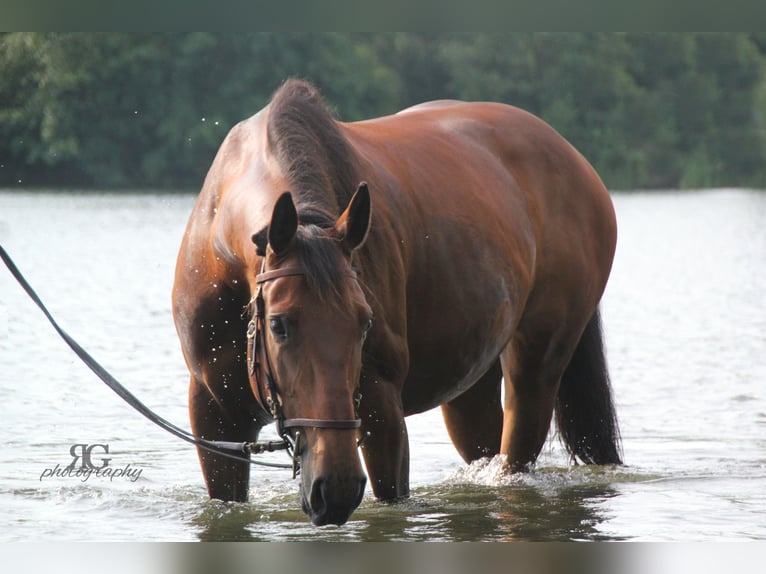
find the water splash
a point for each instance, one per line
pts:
(486, 472)
(553, 476)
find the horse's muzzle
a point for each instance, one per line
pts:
(332, 501)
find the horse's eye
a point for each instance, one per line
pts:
(278, 326)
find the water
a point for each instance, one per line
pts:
(686, 336)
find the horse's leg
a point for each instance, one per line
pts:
(213, 338)
(532, 370)
(226, 479)
(474, 420)
(386, 449)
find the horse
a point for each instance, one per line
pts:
(418, 260)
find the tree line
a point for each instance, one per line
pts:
(120, 110)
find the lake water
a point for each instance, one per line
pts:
(685, 322)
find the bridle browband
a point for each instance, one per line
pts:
(260, 370)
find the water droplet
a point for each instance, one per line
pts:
(204, 120)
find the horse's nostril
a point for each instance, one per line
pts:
(329, 504)
(318, 498)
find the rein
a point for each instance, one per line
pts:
(222, 448)
(260, 371)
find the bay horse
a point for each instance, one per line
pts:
(400, 263)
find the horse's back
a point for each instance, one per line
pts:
(493, 169)
(462, 137)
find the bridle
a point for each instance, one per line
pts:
(260, 372)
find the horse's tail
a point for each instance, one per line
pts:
(585, 413)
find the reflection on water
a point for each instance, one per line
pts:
(554, 504)
(686, 339)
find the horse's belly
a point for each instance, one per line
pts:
(423, 391)
(448, 364)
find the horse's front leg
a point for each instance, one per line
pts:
(386, 449)
(226, 479)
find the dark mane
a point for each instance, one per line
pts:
(316, 160)
(314, 156)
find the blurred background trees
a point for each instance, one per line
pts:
(149, 110)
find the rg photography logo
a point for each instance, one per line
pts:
(89, 461)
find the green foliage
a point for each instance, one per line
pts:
(150, 110)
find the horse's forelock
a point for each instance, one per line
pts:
(319, 254)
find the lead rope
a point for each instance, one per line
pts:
(222, 448)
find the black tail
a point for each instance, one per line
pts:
(585, 413)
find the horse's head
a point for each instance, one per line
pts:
(314, 322)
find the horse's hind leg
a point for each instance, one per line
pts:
(532, 371)
(474, 420)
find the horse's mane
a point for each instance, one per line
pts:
(316, 160)
(314, 156)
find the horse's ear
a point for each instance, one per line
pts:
(354, 223)
(284, 224)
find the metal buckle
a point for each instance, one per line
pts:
(296, 454)
(363, 440)
(271, 403)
